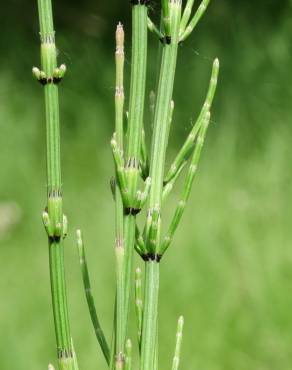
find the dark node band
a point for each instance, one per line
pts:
(54, 239)
(55, 193)
(131, 211)
(167, 40)
(50, 80)
(151, 257)
(64, 353)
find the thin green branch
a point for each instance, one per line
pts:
(144, 164)
(186, 16)
(195, 20)
(128, 359)
(166, 18)
(90, 300)
(187, 185)
(138, 303)
(188, 145)
(154, 29)
(170, 184)
(179, 335)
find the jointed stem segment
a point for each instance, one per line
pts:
(54, 221)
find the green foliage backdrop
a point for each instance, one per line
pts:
(229, 270)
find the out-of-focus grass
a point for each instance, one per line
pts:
(229, 268)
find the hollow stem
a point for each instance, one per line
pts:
(134, 136)
(119, 207)
(54, 221)
(158, 150)
(150, 313)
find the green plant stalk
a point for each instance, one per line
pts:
(158, 151)
(178, 342)
(138, 304)
(128, 356)
(53, 218)
(134, 135)
(150, 314)
(119, 208)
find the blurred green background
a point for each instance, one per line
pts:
(229, 270)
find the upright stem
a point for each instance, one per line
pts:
(135, 125)
(150, 313)
(159, 144)
(53, 218)
(119, 209)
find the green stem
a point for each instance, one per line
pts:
(56, 258)
(158, 150)
(178, 342)
(119, 208)
(54, 220)
(135, 126)
(150, 313)
(162, 109)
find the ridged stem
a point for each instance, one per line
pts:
(53, 218)
(119, 208)
(158, 151)
(134, 135)
(150, 313)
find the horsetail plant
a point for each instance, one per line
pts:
(140, 181)
(54, 221)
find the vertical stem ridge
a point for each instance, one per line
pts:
(54, 191)
(150, 313)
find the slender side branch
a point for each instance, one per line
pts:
(170, 184)
(186, 16)
(128, 360)
(90, 300)
(138, 303)
(187, 186)
(195, 20)
(179, 335)
(144, 158)
(188, 145)
(154, 29)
